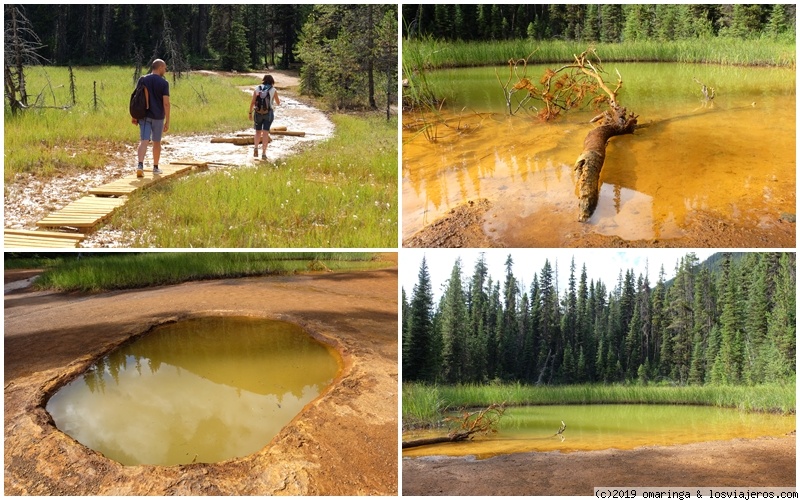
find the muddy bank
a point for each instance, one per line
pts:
(343, 443)
(757, 462)
(461, 227)
(470, 225)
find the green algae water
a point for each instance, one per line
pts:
(202, 390)
(600, 427)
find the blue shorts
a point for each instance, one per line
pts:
(150, 129)
(263, 122)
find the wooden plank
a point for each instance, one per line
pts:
(250, 134)
(49, 234)
(246, 140)
(17, 238)
(288, 132)
(27, 242)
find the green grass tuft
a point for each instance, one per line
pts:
(341, 193)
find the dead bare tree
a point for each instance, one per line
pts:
(569, 87)
(20, 50)
(173, 51)
(72, 85)
(470, 423)
(708, 94)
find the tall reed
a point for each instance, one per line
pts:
(137, 270)
(437, 54)
(778, 398)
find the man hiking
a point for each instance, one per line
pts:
(261, 103)
(157, 120)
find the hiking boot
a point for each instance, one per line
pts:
(264, 156)
(255, 152)
(157, 171)
(139, 171)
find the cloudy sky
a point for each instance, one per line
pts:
(602, 263)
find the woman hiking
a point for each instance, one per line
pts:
(262, 114)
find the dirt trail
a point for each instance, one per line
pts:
(343, 443)
(29, 199)
(766, 462)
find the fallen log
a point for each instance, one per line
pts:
(616, 121)
(273, 129)
(450, 438)
(288, 132)
(246, 140)
(471, 423)
(590, 162)
(566, 88)
(238, 141)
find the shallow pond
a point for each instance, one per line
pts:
(201, 390)
(599, 427)
(733, 161)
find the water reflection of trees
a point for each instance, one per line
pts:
(237, 352)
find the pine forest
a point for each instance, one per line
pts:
(729, 320)
(598, 23)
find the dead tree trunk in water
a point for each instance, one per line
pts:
(590, 162)
(616, 121)
(479, 422)
(568, 87)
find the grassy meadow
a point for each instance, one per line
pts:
(54, 140)
(137, 270)
(424, 404)
(341, 193)
(429, 53)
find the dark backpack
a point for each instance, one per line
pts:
(263, 99)
(140, 101)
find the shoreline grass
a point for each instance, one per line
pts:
(424, 404)
(725, 51)
(105, 272)
(341, 193)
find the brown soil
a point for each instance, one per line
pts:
(765, 462)
(463, 227)
(343, 443)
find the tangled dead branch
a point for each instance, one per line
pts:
(568, 87)
(470, 423)
(560, 432)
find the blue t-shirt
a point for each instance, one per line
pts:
(157, 87)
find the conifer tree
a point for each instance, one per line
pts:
(730, 350)
(453, 329)
(420, 329)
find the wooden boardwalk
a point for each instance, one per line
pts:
(85, 213)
